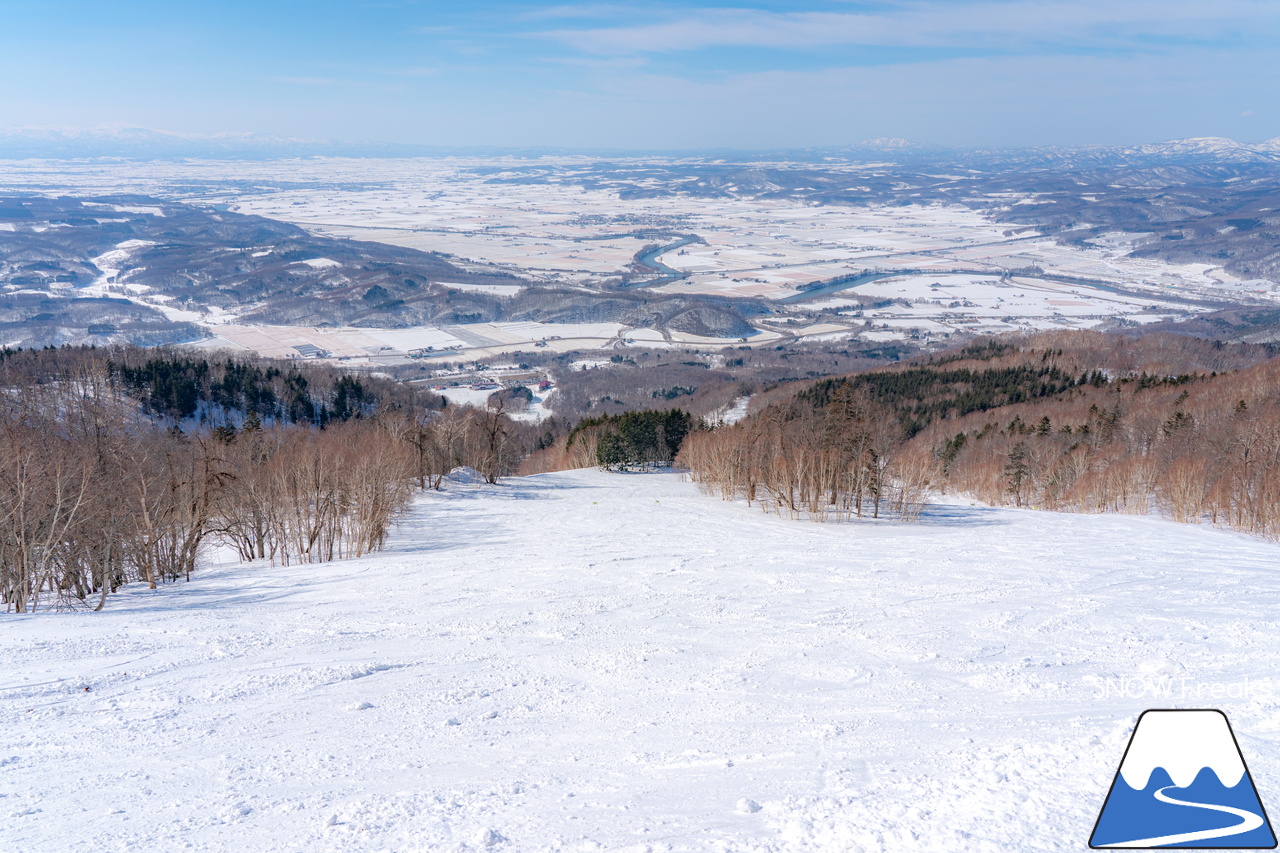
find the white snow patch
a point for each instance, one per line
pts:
(734, 412)
(627, 660)
(495, 289)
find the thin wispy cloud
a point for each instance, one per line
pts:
(596, 63)
(310, 81)
(934, 24)
(660, 73)
(584, 11)
(337, 83)
(414, 71)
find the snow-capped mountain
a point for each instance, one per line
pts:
(1183, 783)
(889, 143)
(1183, 743)
(129, 142)
(1211, 148)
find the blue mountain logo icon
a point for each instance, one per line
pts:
(1183, 783)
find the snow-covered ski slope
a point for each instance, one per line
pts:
(592, 661)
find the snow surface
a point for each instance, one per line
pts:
(732, 413)
(592, 661)
(535, 412)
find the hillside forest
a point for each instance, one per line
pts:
(1085, 422)
(121, 465)
(124, 464)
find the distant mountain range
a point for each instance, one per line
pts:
(143, 143)
(1205, 150)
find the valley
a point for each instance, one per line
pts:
(504, 254)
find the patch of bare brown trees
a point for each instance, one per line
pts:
(841, 461)
(1200, 449)
(95, 493)
(1186, 428)
(310, 496)
(484, 439)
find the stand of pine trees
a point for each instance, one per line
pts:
(646, 437)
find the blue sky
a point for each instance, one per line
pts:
(650, 75)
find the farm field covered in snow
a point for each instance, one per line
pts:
(892, 267)
(593, 661)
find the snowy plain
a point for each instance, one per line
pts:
(594, 661)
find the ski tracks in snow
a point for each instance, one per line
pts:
(586, 660)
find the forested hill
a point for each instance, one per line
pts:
(920, 395)
(123, 464)
(213, 391)
(993, 373)
(1078, 421)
